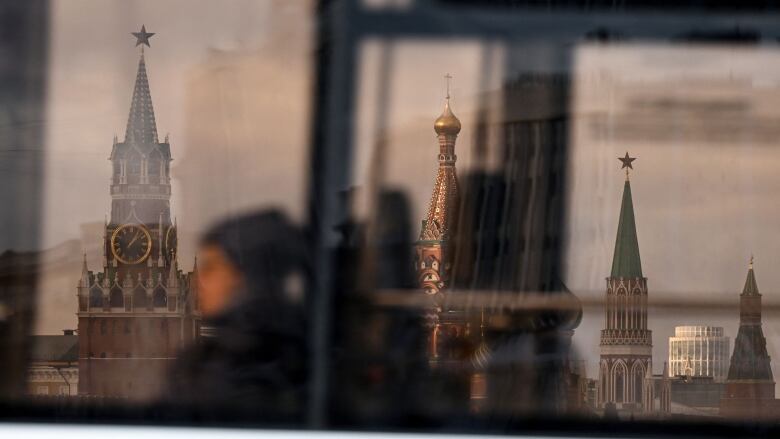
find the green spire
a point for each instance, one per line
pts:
(626, 262)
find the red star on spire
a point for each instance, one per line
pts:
(142, 37)
(627, 161)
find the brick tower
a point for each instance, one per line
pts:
(137, 312)
(750, 386)
(626, 343)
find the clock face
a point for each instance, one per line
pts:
(171, 241)
(131, 243)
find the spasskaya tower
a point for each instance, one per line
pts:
(137, 312)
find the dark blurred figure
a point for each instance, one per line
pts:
(380, 375)
(252, 360)
(24, 41)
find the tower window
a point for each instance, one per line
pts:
(95, 298)
(160, 298)
(154, 165)
(116, 299)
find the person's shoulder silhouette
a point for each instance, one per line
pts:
(254, 358)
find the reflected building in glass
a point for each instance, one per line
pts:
(626, 343)
(489, 244)
(750, 384)
(136, 313)
(699, 351)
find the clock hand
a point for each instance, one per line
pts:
(135, 238)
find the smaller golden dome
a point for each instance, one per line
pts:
(447, 123)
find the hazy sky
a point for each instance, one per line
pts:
(214, 68)
(703, 194)
(703, 123)
(703, 204)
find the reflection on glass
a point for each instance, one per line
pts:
(549, 217)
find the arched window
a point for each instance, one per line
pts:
(153, 166)
(620, 383)
(139, 298)
(639, 379)
(160, 298)
(95, 298)
(133, 168)
(116, 299)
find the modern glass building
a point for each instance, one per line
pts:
(699, 351)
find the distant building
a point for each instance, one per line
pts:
(697, 394)
(750, 385)
(688, 396)
(591, 393)
(509, 243)
(699, 351)
(494, 232)
(626, 343)
(139, 309)
(54, 365)
(451, 338)
(657, 394)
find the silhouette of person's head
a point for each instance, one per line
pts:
(250, 257)
(252, 360)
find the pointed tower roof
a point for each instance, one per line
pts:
(751, 286)
(141, 125)
(84, 281)
(173, 273)
(626, 261)
(750, 359)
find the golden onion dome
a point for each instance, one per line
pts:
(447, 123)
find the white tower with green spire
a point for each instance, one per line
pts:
(626, 343)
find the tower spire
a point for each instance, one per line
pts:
(751, 286)
(626, 341)
(750, 363)
(626, 262)
(141, 125)
(434, 252)
(173, 280)
(84, 281)
(443, 205)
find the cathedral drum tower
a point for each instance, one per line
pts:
(136, 313)
(434, 248)
(626, 343)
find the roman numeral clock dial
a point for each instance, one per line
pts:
(131, 244)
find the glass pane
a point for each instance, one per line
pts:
(471, 217)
